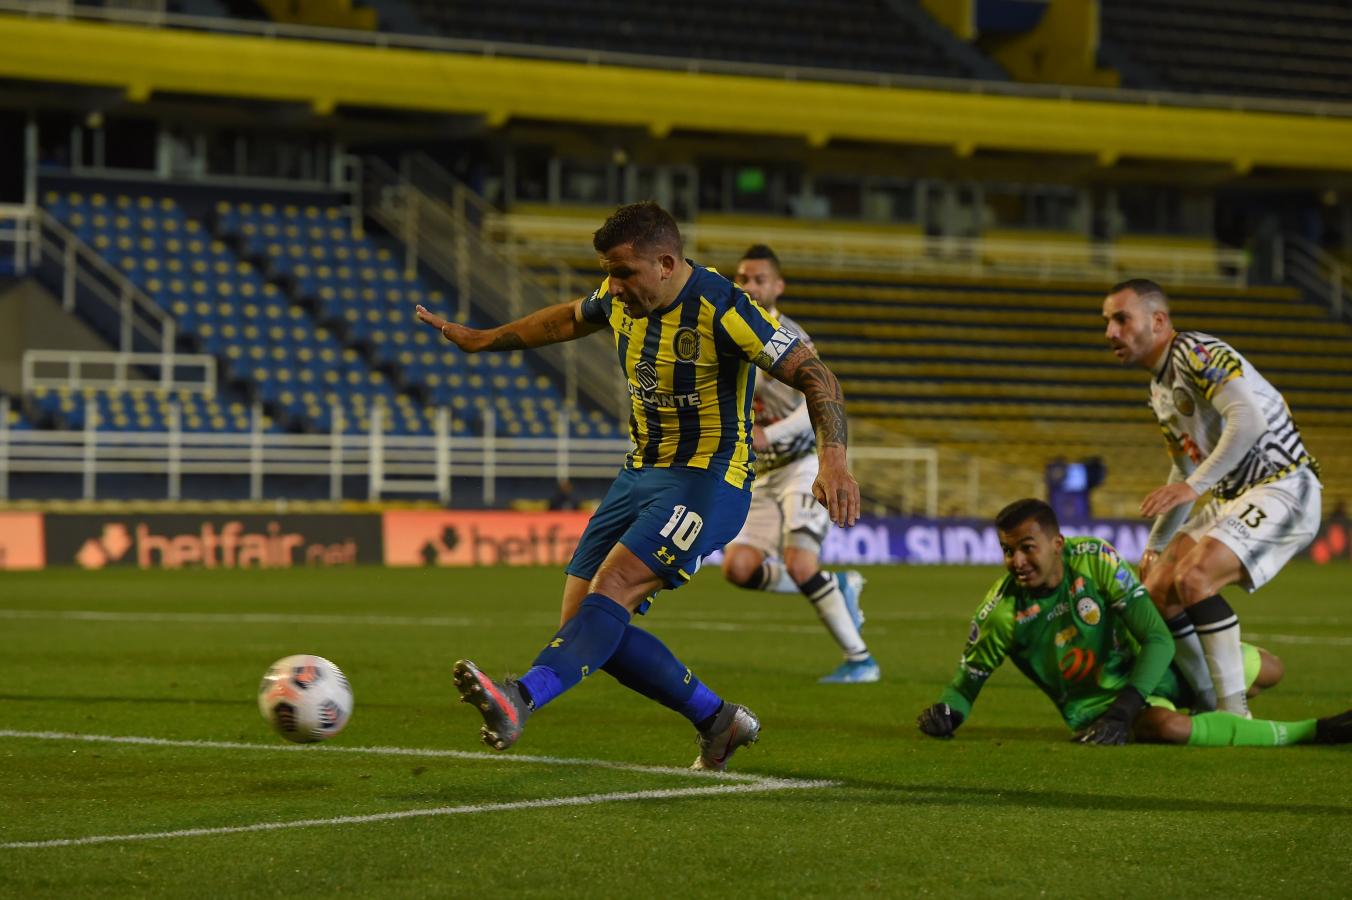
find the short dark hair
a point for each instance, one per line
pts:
(1146, 290)
(763, 251)
(1020, 511)
(646, 225)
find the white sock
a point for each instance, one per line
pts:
(1218, 628)
(777, 580)
(1191, 660)
(824, 593)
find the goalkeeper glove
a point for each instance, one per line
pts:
(940, 720)
(1114, 726)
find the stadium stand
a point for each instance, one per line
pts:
(359, 290)
(1020, 373)
(1238, 47)
(1003, 374)
(349, 346)
(866, 35)
(16, 420)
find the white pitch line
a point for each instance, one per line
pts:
(90, 615)
(386, 751)
(1318, 640)
(547, 803)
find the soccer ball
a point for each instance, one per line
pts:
(305, 698)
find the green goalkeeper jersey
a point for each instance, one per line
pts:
(1082, 643)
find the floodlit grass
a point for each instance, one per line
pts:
(1009, 808)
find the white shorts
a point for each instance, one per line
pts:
(1265, 526)
(783, 511)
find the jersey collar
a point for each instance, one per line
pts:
(1164, 360)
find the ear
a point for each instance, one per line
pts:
(667, 263)
(1059, 542)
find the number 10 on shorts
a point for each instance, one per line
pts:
(683, 526)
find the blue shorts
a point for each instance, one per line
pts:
(669, 518)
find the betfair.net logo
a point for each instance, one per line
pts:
(225, 546)
(108, 547)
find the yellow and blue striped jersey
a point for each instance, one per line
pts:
(689, 369)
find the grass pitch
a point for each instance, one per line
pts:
(1009, 808)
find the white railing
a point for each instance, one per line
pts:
(1319, 273)
(905, 254)
(156, 17)
(17, 235)
(389, 464)
(78, 369)
(87, 276)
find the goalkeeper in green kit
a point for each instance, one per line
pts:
(1075, 620)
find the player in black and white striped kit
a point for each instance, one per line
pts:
(779, 546)
(1228, 431)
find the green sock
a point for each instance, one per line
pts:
(1221, 729)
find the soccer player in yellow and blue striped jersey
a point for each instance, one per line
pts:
(687, 339)
(689, 372)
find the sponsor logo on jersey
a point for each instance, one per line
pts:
(646, 373)
(1059, 610)
(664, 556)
(646, 391)
(1183, 402)
(1089, 611)
(1029, 613)
(1077, 586)
(1077, 664)
(1123, 577)
(774, 348)
(686, 344)
(986, 607)
(1066, 635)
(658, 398)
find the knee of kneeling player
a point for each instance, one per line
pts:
(743, 570)
(1162, 726)
(1270, 672)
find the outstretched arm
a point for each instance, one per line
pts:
(551, 325)
(835, 487)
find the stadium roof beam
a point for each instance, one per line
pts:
(153, 60)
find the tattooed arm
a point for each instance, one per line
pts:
(551, 325)
(835, 487)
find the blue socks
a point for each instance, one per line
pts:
(642, 663)
(600, 637)
(579, 648)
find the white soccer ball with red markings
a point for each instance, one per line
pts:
(305, 698)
